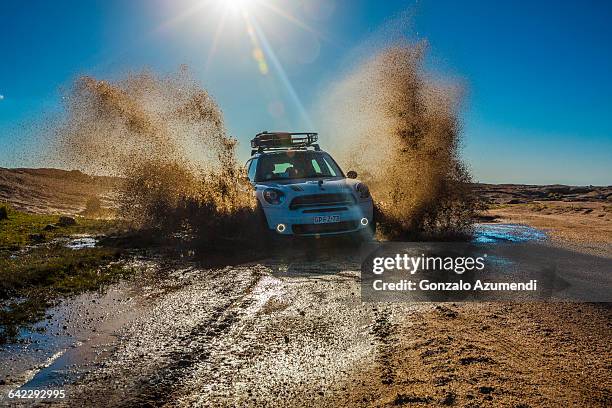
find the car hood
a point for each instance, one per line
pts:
(311, 186)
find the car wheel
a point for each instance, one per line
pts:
(373, 224)
(265, 234)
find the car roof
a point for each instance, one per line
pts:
(270, 152)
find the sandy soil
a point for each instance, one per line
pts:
(580, 217)
(53, 191)
(500, 355)
(584, 225)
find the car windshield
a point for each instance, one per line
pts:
(295, 165)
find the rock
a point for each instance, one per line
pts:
(403, 399)
(184, 363)
(449, 399)
(66, 221)
(447, 312)
(50, 227)
(486, 390)
(36, 237)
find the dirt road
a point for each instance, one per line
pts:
(293, 331)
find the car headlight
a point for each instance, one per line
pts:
(273, 196)
(362, 190)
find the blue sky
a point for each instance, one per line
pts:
(538, 74)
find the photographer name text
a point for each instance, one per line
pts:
(478, 285)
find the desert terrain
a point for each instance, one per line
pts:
(290, 329)
(577, 217)
(52, 191)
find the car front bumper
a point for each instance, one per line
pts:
(301, 222)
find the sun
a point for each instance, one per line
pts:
(247, 13)
(237, 6)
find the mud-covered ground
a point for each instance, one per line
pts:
(291, 330)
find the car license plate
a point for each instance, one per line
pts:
(326, 219)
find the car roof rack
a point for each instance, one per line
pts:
(283, 141)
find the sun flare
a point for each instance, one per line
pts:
(237, 6)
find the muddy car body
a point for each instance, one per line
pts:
(301, 190)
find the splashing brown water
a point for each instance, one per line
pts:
(400, 129)
(164, 136)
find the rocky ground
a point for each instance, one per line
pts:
(524, 193)
(291, 330)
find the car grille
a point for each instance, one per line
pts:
(322, 200)
(302, 229)
(323, 210)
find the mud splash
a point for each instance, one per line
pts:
(165, 137)
(400, 129)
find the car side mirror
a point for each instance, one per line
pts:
(352, 174)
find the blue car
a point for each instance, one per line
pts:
(302, 191)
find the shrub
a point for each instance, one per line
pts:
(93, 205)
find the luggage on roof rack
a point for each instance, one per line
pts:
(283, 140)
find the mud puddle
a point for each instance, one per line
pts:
(75, 242)
(81, 242)
(503, 233)
(75, 333)
(517, 250)
(73, 338)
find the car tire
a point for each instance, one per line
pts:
(374, 223)
(265, 234)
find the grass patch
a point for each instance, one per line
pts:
(537, 206)
(30, 283)
(56, 268)
(494, 206)
(36, 278)
(18, 228)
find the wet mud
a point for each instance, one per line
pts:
(292, 330)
